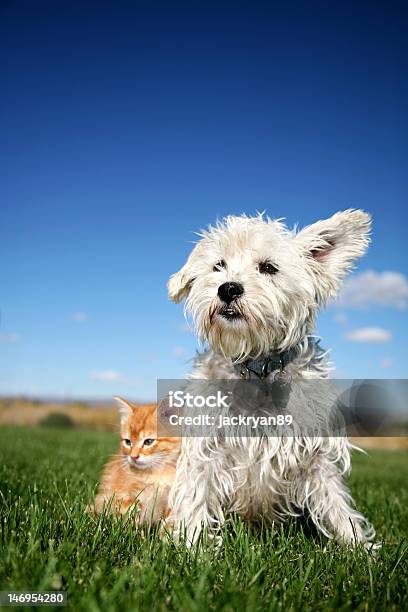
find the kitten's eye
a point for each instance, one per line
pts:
(219, 266)
(148, 442)
(265, 267)
(127, 442)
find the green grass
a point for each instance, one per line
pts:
(49, 542)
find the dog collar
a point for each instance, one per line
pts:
(274, 363)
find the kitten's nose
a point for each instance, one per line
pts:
(135, 457)
(228, 292)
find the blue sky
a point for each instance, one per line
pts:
(127, 126)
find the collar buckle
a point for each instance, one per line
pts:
(245, 373)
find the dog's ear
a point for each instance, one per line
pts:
(125, 408)
(332, 246)
(179, 284)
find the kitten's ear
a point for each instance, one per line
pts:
(331, 247)
(125, 408)
(165, 410)
(164, 413)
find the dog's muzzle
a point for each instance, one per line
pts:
(228, 292)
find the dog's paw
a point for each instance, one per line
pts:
(373, 548)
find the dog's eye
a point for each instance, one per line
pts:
(265, 267)
(219, 265)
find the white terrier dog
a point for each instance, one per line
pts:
(253, 288)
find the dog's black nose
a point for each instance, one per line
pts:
(228, 292)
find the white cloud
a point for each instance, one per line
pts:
(340, 318)
(374, 289)
(114, 376)
(178, 351)
(9, 338)
(386, 363)
(79, 316)
(106, 375)
(369, 334)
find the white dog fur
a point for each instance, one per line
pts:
(268, 478)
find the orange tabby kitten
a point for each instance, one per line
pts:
(144, 471)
